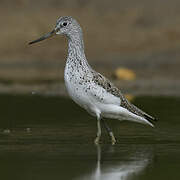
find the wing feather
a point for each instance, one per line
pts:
(111, 88)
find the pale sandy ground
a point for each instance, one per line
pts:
(143, 36)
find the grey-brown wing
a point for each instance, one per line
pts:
(132, 108)
(111, 88)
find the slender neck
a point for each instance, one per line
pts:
(76, 47)
(76, 55)
(76, 41)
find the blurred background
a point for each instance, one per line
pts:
(136, 44)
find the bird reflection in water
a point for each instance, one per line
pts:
(117, 169)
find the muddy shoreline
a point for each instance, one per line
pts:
(143, 36)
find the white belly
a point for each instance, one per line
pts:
(97, 101)
(88, 95)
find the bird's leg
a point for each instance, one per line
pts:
(113, 140)
(96, 141)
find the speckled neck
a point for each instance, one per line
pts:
(76, 53)
(76, 40)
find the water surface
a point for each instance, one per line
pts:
(59, 143)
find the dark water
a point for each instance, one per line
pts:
(60, 144)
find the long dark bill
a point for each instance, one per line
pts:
(50, 34)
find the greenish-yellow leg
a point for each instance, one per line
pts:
(113, 139)
(97, 139)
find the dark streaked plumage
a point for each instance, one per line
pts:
(111, 88)
(89, 89)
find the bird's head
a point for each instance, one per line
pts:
(65, 25)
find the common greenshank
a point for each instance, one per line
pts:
(88, 88)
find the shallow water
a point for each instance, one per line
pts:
(59, 143)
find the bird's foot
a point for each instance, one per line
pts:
(28, 130)
(6, 131)
(97, 139)
(113, 139)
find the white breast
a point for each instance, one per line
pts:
(76, 87)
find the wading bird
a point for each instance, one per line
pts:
(88, 88)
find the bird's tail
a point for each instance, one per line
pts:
(141, 120)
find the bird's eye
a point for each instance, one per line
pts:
(65, 24)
